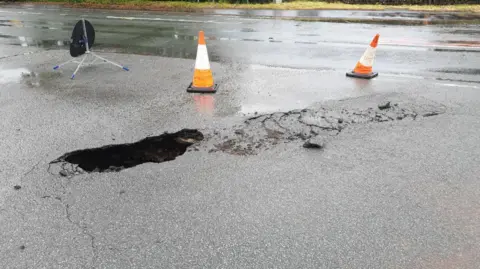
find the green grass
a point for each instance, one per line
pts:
(190, 6)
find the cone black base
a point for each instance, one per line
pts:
(364, 76)
(202, 90)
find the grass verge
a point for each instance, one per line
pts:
(300, 5)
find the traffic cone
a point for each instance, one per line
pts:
(202, 76)
(363, 69)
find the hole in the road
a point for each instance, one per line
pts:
(111, 158)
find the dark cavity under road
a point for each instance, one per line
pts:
(316, 126)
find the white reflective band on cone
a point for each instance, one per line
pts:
(202, 62)
(368, 57)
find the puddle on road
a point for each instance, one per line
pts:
(422, 15)
(344, 14)
(386, 21)
(13, 75)
(165, 39)
(166, 44)
(360, 16)
(39, 24)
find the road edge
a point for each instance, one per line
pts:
(196, 7)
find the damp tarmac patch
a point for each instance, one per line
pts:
(114, 158)
(324, 122)
(33, 79)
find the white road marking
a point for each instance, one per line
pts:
(170, 20)
(20, 12)
(402, 76)
(458, 85)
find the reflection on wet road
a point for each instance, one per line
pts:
(436, 52)
(422, 17)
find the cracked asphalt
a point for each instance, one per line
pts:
(321, 122)
(393, 187)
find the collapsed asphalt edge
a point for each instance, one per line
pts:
(114, 158)
(312, 126)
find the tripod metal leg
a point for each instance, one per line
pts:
(123, 67)
(58, 66)
(78, 67)
(87, 52)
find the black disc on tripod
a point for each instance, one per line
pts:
(77, 42)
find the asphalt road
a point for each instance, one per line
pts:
(445, 53)
(393, 188)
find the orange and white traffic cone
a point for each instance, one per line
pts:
(363, 69)
(202, 76)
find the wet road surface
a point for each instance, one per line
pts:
(392, 187)
(425, 54)
(385, 16)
